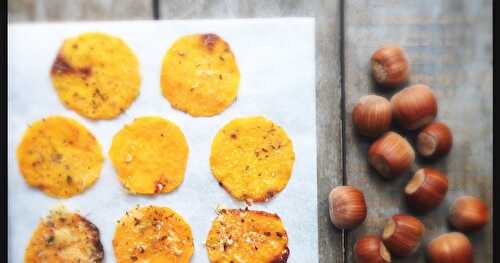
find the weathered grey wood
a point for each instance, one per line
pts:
(449, 43)
(63, 10)
(328, 92)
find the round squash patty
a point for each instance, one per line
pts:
(150, 155)
(153, 234)
(96, 75)
(252, 158)
(64, 237)
(200, 75)
(59, 156)
(239, 235)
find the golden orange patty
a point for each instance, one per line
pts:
(150, 155)
(59, 156)
(153, 234)
(252, 158)
(200, 75)
(64, 237)
(247, 236)
(96, 75)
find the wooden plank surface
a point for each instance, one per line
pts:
(75, 10)
(449, 43)
(328, 90)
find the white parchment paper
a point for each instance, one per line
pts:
(276, 61)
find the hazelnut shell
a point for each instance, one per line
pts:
(426, 190)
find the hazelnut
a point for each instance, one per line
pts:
(414, 106)
(391, 155)
(347, 207)
(370, 249)
(390, 66)
(468, 213)
(435, 140)
(450, 248)
(372, 115)
(426, 189)
(402, 234)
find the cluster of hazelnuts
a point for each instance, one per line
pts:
(414, 108)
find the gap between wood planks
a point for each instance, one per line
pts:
(343, 114)
(156, 9)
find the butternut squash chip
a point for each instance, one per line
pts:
(200, 75)
(64, 237)
(153, 234)
(96, 75)
(240, 235)
(59, 156)
(252, 158)
(150, 155)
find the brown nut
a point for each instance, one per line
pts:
(468, 213)
(402, 234)
(452, 247)
(435, 140)
(372, 115)
(391, 155)
(370, 249)
(347, 207)
(414, 106)
(390, 66)
(426, 189)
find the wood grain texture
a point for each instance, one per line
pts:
(328, 89)
(77, 10)
(449, 43)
